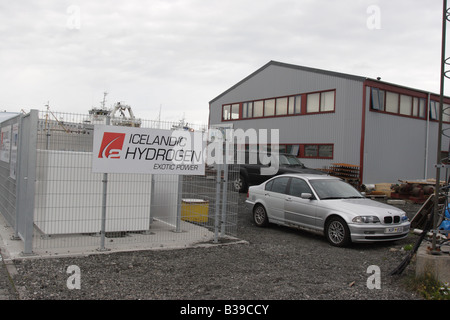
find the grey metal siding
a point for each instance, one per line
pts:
(396, 147)
(341, 128)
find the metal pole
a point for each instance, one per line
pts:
(18, 179)
(104, 199)
(30, 181)
(427, 137)
(179, 203)
(217, 213)
(152, 198)
(224, 197)
(441, 103)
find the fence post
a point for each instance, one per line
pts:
(179, 203)
(18, 179)
(217, 207)
(104, 199)
(27, 179)
(224, 198)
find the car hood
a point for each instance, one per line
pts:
(362, 207)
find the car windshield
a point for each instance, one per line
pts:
(334, 189)
(288, 160)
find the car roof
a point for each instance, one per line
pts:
(310, 176)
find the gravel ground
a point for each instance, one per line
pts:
(276, 263)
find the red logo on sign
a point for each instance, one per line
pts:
(112, 144)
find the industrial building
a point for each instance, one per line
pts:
(388, 132)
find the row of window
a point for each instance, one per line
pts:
(402, 104)
(307, 103)
(303, 150)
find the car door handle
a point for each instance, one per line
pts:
(288, 199)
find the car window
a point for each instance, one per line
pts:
(297, 187)
(283, 159)
(269, 185)
(279, 185)
(334, 189)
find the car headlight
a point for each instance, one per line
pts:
(366, 219)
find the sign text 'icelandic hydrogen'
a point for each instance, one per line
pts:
(142, 150)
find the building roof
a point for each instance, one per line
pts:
(7, 115)
(314, 70)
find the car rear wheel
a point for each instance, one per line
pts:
(337, 232)
(239, 184)
(260, 216)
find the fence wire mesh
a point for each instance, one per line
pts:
(141, 210)
(8, 159)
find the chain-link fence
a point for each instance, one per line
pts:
(72, 207)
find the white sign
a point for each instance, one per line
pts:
(5, 143)
(141, 150)
(13, 155)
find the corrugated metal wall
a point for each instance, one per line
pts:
(341, 128)
(395, 147)
(399, 148)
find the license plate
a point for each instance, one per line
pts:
(393, 230)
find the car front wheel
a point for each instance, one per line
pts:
(260, 216)
(337, 232)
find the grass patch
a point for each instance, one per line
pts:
(429, 287)
(408, 247)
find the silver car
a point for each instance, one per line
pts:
(326, 204)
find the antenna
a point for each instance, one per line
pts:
(104, 99)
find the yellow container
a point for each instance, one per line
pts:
(195, 210)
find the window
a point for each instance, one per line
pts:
(392, 102)
(311, 150)
(279, 185)
(300, 104)
(226, 112)
(282, 106)
(319, 151)
(415, 107)
(230, 112)
(247, 110)
(446, 113)
(422, 108)
(313, 102)
(325, 151)
(434, 111)
(269, 185)
(297, 187)
(258, 108)
(434, 107)
(235, 111)
(377, 99)
(327, 101)
(402, 104)
(269, 107)
(405, 105)
(301, 150)
(320, 102)
(292, 149)
(295, 105)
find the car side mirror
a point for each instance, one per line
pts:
(305, 195)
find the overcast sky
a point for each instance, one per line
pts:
(177, 55)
